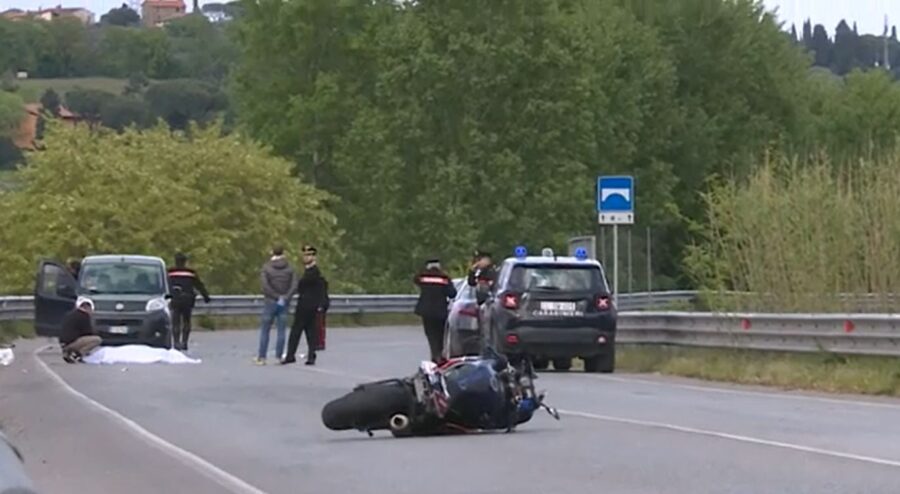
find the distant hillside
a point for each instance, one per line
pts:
(32, 89)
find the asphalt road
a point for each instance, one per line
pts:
(229, 426)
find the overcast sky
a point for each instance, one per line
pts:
(868, 14)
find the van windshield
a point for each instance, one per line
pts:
(121, 278)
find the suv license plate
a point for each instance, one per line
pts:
(558, 306)
(118, 329)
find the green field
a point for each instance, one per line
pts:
(32, 89)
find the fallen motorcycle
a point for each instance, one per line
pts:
(464, 394)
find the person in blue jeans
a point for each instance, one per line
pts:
(279, 283)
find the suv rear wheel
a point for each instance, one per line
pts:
(562, 364)
(605, 362)
(540, 363)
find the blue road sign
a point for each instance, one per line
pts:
(615, 200)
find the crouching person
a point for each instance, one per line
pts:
(78, 336)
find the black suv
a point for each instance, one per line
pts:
(551, 308)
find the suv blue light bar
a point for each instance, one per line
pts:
(521, 252)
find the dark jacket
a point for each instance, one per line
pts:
(278, 279)
(75, 324)
(477, 275)
(435, 292)
(185, 283)
(312, 290)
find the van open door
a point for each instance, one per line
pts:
(54, 296)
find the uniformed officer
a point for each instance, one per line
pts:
(435, 292)
(184, 283)
(482, 271)
(312, 289)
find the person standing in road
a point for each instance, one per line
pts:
(184, 283)
(78, 337)
(278, 280)
(74, 266)
(436, 290)
(313, 299)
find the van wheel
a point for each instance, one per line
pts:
(562, 364)
(540, 363)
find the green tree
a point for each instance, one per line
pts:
(50, 101)
(122, 16)
(202, 50)
(156, 192)
(12, 110)
(87, 103)
(120, 112)
(71, 53)
(468, 124)
(861, 118)
(182, 101)
(299, 90)
(125, 51)
(27, 45)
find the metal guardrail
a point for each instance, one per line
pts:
(12, 474)
(16, 308)
(22, 308)
(856, 333)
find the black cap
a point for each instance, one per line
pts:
(309, 249)
(433, 259)
(180, 258)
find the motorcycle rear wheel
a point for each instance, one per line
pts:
(369, 407)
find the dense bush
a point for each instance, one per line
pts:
(223, 200)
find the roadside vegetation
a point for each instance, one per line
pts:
(791, 371)
(796, 233)
(12, 330)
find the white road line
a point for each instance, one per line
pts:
(686, 430)
(221, 477)
(733, 437)
(744, 392)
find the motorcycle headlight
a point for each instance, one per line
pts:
(156, 304)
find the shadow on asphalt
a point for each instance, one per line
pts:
(385, 435)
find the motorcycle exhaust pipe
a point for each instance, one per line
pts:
(399, 422)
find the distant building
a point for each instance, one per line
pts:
(83, 15)
(13, 14)
(158, 12)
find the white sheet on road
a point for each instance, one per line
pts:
(137, 354)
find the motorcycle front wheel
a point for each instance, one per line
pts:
(370, 407)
